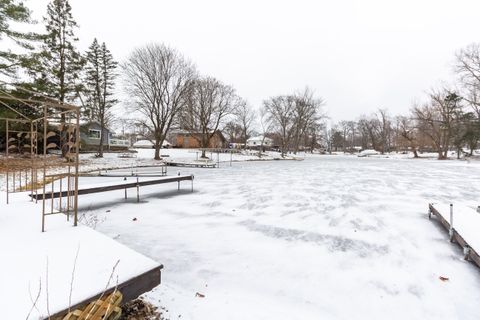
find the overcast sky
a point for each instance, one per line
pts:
(360, 55)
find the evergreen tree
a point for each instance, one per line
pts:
(100, 82)
(92, 81)
(60, 62)
(16, 12)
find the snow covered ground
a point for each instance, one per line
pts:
(44, 273)
(331, 237)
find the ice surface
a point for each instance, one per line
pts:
(325, 238)
(331, 237)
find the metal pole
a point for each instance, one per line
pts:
(7, 182)
(178, 182)
(77, 160)
(69, 184)
(6, 153)
(36, 185)
(45, 125)
(51, 209)
(138, 191)
(60, 195)
(32, 157)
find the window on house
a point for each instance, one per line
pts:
(94, 134)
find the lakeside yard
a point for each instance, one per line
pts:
(328, 237)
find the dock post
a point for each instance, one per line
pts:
(7, 183)
(138, 191)
(466, 252)
(450, 232)
(178, 173)
(60, 198)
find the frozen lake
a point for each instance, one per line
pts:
(325, 238)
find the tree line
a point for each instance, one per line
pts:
(449, 119)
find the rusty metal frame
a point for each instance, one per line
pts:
(16, 172)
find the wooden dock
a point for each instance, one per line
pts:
(120, 186)
(199, 164)
(463, 225)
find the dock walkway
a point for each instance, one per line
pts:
(463, 225)
(119, 186)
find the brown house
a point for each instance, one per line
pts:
(192, 140)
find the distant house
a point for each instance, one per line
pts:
(147, 144)
(257, 142)
(192, 140)
(90, 138)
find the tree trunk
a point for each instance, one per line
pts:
(415, 153)
(158, 144)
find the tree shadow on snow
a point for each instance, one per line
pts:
(131, 199)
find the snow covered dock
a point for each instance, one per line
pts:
(463, 225)
(45, 274)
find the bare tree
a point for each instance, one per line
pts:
(437, 119)
(244, 117)
(208, 103)
(266, 124)
(407, 131)
(467, 67)
(369, 129)
(384, 130)
(306, 112)
(158, 79)
(280, 110)
(234, 131)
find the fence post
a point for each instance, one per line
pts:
(138, 191)
(451, 223)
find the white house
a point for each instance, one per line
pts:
(256, 142)
(147, 144)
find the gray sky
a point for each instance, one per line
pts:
(359, 55)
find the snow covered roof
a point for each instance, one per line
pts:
(148, 143)
(259, 139)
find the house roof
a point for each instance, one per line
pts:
(148, 143)
(259, 138)
(88, 123)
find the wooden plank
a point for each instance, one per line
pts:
(191, 165)
(130, 289)
(121, 186)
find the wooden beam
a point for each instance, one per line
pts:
(50, 195)
(130, 289)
